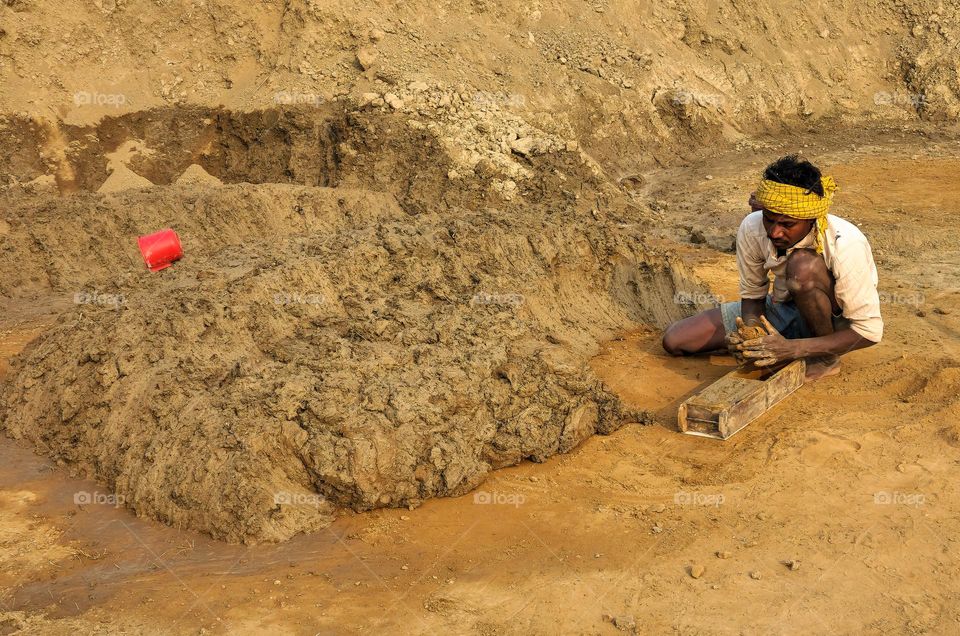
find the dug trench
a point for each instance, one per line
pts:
(350, 328)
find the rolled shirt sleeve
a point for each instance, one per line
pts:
(856, 289)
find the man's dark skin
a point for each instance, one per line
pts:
(812, 287)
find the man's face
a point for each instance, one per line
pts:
(785, 231)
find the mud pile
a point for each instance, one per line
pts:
(376, 363)
(377, 343)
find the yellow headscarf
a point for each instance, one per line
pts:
(799, 203)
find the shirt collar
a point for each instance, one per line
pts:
(807, 242)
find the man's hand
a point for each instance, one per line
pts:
(734, 341)
(743, 334)
(770, 349)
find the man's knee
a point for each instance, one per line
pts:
(806, 271)
(672, 340)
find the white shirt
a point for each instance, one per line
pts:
(847, 254)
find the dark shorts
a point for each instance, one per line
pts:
(785, 317)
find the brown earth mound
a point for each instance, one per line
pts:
(376, 365)
(320, 348)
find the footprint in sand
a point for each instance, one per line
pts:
(821, 447)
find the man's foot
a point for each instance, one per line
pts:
(822, 367)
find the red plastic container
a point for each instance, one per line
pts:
(161, 249)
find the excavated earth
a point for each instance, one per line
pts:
(395, 270)
(428, 241)
(331, 345)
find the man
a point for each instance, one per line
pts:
(824, 301)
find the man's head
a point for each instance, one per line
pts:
(786, 231)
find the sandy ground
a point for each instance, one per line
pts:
(852, 480)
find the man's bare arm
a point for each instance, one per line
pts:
(837, 343)
(779, 348)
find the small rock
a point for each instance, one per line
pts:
(404, 518)
(755, 575)
(377, 34)
(921, 313)
(657, 529)
(824, 33)
(486, 169)
(709, 177)
(523, 146)
(418, 87)
(276, 582)
(367, 57)
(572, 146)
(395, 102)
(659, 507)
(404, 567)
(624, 623)
(696, 571)
(723, 554)
(762, 516)
(794, 565)
(941, 311)
(368, 98)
